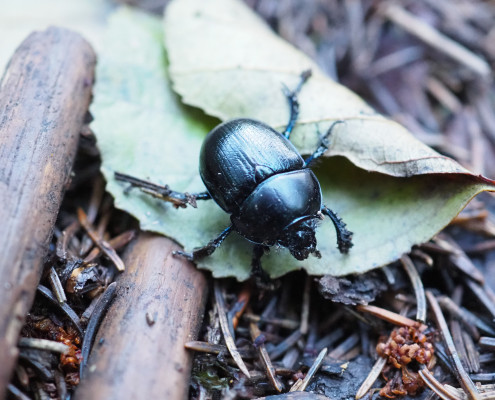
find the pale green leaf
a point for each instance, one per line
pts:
(227, 62)
(143, 130)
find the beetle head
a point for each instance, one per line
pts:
(299, 237)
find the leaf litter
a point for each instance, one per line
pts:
(348, 334)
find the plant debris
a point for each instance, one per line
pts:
(446, 100)
(80, 276)
(405, 345)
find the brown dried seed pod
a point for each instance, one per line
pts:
(405, 344)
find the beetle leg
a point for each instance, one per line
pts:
(207, 250)
(261, 278)
(256, 268)
(323, 146)
(293, 102)
(178, 199)
(344, 237)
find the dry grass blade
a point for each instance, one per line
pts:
(342, 350)
(205, 347)
(437, 387)
(432, 37)
(305, 306)
(56, 285)
(459, 370)
(389, 316)
(283, 323)
(286, 344)
(16, 393)
(102, 244)
(443, 94)
(265, 358)
(104, 302)
(116, 243)
(96, 199)
(471, 322)
(482, 296)
(487, 342)
(64, 307)
(473, 355)
(419, 290)
(242, 301)
(64, 239)
(301, 385)
(224, 324)
(459, 258)
(371, 378)
(455, 329)
(426, 258)
(43, 344)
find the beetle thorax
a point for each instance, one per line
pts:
(275, 211)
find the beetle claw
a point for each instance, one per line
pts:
(183, 254)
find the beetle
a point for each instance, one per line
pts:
(255, 174)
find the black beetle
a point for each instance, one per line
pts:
(255, 174)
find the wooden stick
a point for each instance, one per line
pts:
(44, 96)
(131, 357)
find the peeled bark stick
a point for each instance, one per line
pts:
(139, 349)
(44, 96)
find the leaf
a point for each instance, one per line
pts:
(227, 62)
(144, 131)
(224, 60)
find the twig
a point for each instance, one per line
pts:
(459, 370)
(102, 244)
(227, 335)
(417, 284)
(265, 358)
